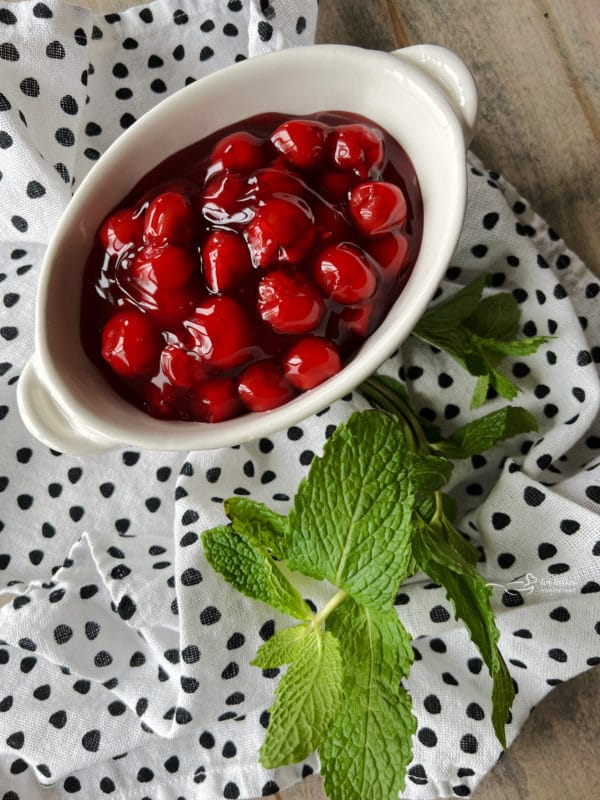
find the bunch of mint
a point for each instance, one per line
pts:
(370, 513)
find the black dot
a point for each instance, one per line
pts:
(126, 608)
(82, 686)
(229, 749)
(62, 633)
(207, 740)
(27, 664)
(506, 560)
(188, 539)
(500, 520)
(432, 704)
(206, 53)
(71, 785)
(9, 52)
(560, 614)
(41, 11)
(590, 587)
(593, 493)
(180, 17)
(300, 25)
(55, 50)
(475, 665)
(533, 497)
(107, 785)
(119, 70)
(439, 614)
(584, 358)
(558, 569)
(6, 703)
(21, 225)
(523, 633)
(461, 790)
(546, 550)
(103, 659)
(65, 137)
(158, 86)
(427, 737)
(16, 740)
(475, 711)
(30, 87)
(17, 766)
(58, 719)
(235, 641)
(479, 250)
(556, 654)
(91, 741)
(231, 671)
(230, 30)
(7, 17)
(116, 708)
(235, 699)
(179, 53)
(231, 791)
(468, 743)
(190, 654)
(130, 44)
(120, 571)
(210, 615)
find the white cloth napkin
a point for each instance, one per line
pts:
(124, 660)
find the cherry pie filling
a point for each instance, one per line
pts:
(251, 266)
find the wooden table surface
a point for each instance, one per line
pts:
(537, 67)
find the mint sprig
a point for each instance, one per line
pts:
(479, 332)
(370, 513)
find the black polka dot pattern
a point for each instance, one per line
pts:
(125, 630)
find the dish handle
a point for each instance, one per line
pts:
(452, 76)
(49, 423)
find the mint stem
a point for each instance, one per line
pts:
(390, 401)
(329, 606)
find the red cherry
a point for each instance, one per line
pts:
(331, 224)
(215, 400)
(169, 267)
(222, 332)
(289, 303)
(310, 362)
(275, 180)
(352, 322)
(239, 152)
(391, 253)
(225, 260)
(182, 367)
(356, 148)
(121, 230)
(302, 142)
(337, 184)
(131, 343)
(282, 230)
(220, 198)
(169, 219)
(161, 401)
(345, 273)
(262, 386)
(377, 207)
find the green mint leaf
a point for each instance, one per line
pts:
(481, 390)
(282, 648)
(449, 314)
(351, 519)
(496, 317)
(449, 507)
(394, 386)
(485, 432)
(368, 747)
(514, 347)
(505, 387)
(429, 473)
(249, 568)
(470, 595)
(461, 546)
(258, 523)
(306, 700)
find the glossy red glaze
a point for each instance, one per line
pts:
(252, 265)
